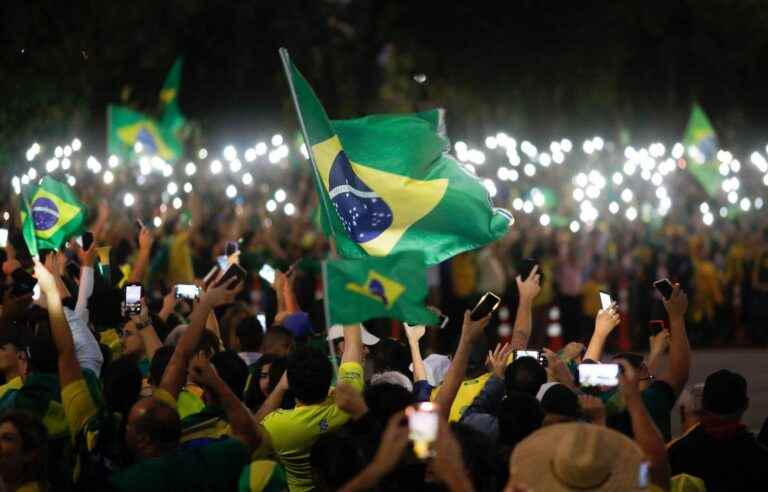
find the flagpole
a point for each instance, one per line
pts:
(285, 57)
(327, 311)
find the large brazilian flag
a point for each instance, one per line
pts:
(127, 127)
(51, 213)
(700, 143)
(387, 184)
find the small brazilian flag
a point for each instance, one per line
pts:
(51, 213)
(700, 143)
(387, 183)
(393, 286)
(127, 127)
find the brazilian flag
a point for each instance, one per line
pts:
(170, 113)
(127, 127)
(393, 286)
(51, 213)
(700, 143)
(387, 184)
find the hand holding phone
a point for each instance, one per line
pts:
(423, 421)
(535, 354)
(599, 374)
(656, 326)
(234, 271)
(665, 288)
(3, 237)
(487, 304)
(267, 273)
(132, 299)
(605, 300)
(187, 291)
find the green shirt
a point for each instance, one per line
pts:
(215, 467)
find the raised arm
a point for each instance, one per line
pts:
(176, 372)
(679, 348)
(142, 259)
(85, 289)
(528, 289)
(659, 344)
(274, 399)
(147, 332)
(414, 334)
(470, 332)
(606, 321)
(353, 344)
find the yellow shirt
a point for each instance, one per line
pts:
(468, 390)
(14, 384)
(293, 432)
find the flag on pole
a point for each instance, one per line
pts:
(51, 213)
(394, 286)
(700, 143)
(127, 127)
(387, 184)
(170, 113)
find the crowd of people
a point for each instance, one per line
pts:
(242, 387)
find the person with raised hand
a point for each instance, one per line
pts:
(605, 322)
(528, 289)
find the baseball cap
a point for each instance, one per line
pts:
(337, 331)
(298, 324)
(556, 398)
(725, 392)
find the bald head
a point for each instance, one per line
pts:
(154, 428)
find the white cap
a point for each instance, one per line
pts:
(337, 331)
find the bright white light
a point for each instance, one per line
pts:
(735, 183)
(554, 147)
(108, 177)
(157, 222)
(177, 203)
(32, 173)
(145, 167)
(52, 165)
(578, 194)
(528, 206)
(491, 142)
(504, 141)
(558, 157)
(657, 150)
(235, 165)
(724, 169)
(260, 148)
(141, 181)
(724, 156)
(16, 182)
(704, 207)
(32, 152)
(598, 143)
(528, 149)
(25, 180)
(250, 155)
(745, 204)
(627, 195)
(283, 151)
(187, 187)
(502, 173)
(597, 179)
(76, 144)
(617, 179)
(723, 212)
(538, 197)
(759, 203)
(514, 158)
(128, 200)
(71, 180)
(230, 153)
(490, 186)
(708, 219)
(733, 197)
(517, 204)
(656, 179)
(592, 191)
(190, 169)
(202, 154)
(765, 180)
(58, 152)
(113, 161)
(6, 215)
(247, 179)
(735, 166)
(566, 145)
(759, 161)
(678, 150)
(476, 156)
(645, 174)
(544, 220)
(630, 153)
(513, 175)
(277, 140)
(30, 155)
(575, 226)
(471, 169)
(274, 157)
(304, 151)
(631, 213)
(529, 169)
(545, 159)
(231, 191)
(581, 180)
(67, 151)
(613, 208)
(629, 168)
(93, 164)
(588, 147)
(172, 188)
(280, 195)
(215, 166)
(167, 171)
(271, 205)
(289, 209)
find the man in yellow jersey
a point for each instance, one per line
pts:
(291, 433)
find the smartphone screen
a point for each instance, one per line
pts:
(187, 291)
(211, 275)
(664, 286)
(422, 427)
(605, 300)
(267, 273)
(3, 237)
(133, 299)
(223, 261)
(488, 304)
(599, 374)
(263, 320)
(526, 353)
(656, 326)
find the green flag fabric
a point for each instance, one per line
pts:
(700, 143)
(51, 213)
(387, 184)
(171, 117)
(127, 127)
(393, 286)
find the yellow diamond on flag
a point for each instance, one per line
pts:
(379, 288)
(50, 213)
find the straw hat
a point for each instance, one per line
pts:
(577, 456)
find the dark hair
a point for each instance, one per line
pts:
(34, 438)
(277, 335)
(634, 360)
(560, 400)
(476, 454)
(525, 375)
(519, 416)
(725, 393)
(337, 458)
(386, 399)
(232, 370)
(122, 384)
(42, 355)
(209, 343)
(390, 355)
(160, 423)
(158, 364)
(251, 333)
(253, 396)
(309, 374)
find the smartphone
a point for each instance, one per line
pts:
(599, 374)
(23, 283)
(423, 421)
(539, 356)
(3, 237)
(223, 262)
(525, 267)
(132, 299)
(655, 326)
(664, 286)
(73, 270)
(231, 248)
(267, 273)
(605, 300)
(442, 321)
(234, 271)
(210, 276)
(263, 320)
(187, 291)
(139, 224)
(488, 304)
(86, 240)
